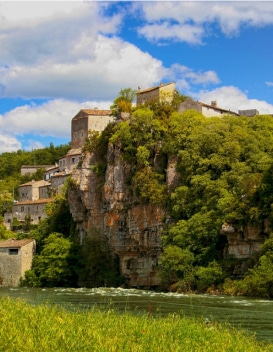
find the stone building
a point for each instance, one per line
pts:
(21, 210)
(156, 94)
(207, 110)
(248, 113)
(15, 259)
(34, 190)
(31, 169)
(70, 160)
(87, 120)
(33, 198)
(49, 172)
(58, 181)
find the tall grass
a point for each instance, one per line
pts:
(45, 328)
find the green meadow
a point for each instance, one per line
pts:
(51, 328)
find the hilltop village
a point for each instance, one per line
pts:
(137, 239)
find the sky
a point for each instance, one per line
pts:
(58, 57)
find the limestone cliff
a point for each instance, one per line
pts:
(243, 242)
(132, 230)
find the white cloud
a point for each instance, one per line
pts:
(116, 64)
(166, 31)
(9, 143)
(232, 98)
(190, 21)
(68, 54)
(58, 32)
(269, 84)
(186, 77)
(49, 119)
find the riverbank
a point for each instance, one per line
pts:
(44, 328)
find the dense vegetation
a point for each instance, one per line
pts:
(51, 328)
(224, 175)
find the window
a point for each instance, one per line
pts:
(13, 251)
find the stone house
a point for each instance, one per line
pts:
(33, 198)
(22, 210)
(34, 190)
(58, 181)
(156, 94)
(248, 113)
(69, 161)
(49, 172)
(205, 109)
(31, 169)
(86, 120)
(15, 259)
(210, 110)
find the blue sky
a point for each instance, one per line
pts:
(57, 57)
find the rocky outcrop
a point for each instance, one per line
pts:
(132, 230)
(243, 242)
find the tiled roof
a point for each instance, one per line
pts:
(52, 168)
(216, 108)
(39, 201)
(36, 183)
(153, 88)
(93, 112)
(36, 166)
(12, 243)
(97, 112)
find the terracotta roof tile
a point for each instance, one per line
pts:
(36, 183)
(94, 112)
(39, 201)
(12, 243)
(153, 88)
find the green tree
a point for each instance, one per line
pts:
(176, 265)
(209, 276)
(6, 202)
(123, 102)
(51, 267)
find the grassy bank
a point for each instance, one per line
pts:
(49, 328)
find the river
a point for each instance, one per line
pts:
(252, 315)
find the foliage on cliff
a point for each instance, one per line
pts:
(224, 175)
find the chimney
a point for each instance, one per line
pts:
(214, 103)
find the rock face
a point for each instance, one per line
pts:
(244, 242)
(132, 230)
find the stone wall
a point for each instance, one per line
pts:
(15, 259)
(243, 242)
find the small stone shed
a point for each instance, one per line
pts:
(15, 259)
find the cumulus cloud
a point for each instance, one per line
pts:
(166, 31)
(9, 143)
(52, 118)
(232, 98)
(68, 50)
(103, 75)
(190, 21)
